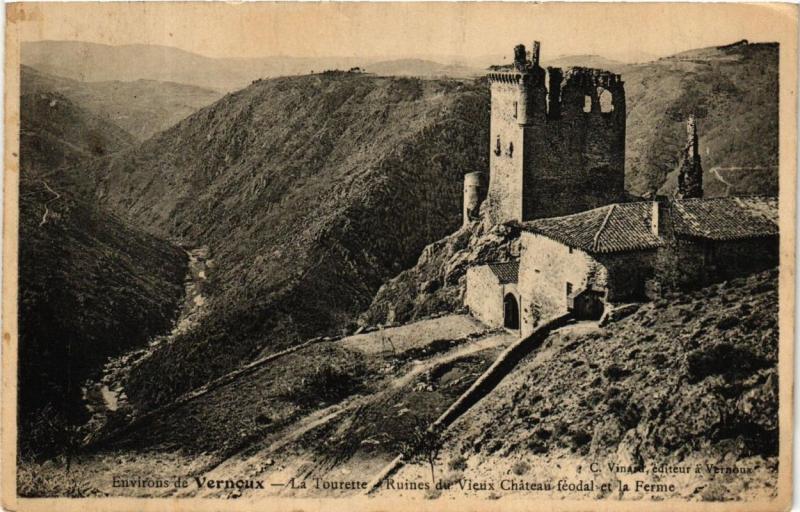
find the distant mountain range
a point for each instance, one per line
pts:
(91, 62)
(140, 107)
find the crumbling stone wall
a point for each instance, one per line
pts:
(568, 141)
(690, 174)
(474, 195)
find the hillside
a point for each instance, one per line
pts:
(89, 286)
(55, 133)
(733, 90)
(141, 107)
(685, 380)
(422, 68)
(329, 184)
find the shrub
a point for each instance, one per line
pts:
(520, 468)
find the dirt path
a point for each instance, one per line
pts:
(419, 367)
(274, 459)
(46, 210)
(729, 185)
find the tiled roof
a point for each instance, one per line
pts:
(613, 228)
(506, 272)
(726, 218)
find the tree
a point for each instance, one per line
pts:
(423, 445)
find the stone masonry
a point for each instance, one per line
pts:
(556, 149)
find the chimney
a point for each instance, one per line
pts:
(654, 220)
(520, 58)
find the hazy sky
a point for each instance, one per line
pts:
(625, 32)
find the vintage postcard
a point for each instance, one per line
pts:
(398, 256)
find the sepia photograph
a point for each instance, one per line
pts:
(375, 256)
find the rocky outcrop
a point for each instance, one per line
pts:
(436, 283)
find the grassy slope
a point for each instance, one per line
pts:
(141, 107)
(329, 184)
(90, 286)
(691, 373)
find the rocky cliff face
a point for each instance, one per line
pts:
(436, 283)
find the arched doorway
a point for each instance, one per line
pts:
(510, 312)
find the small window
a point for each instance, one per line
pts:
(587, 103)
(570, 250)
(569, 289)
(515, 110)
(497, 149)
(606, 101)
(510, 149)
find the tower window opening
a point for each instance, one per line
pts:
(606, 101)
(515, 110)
(510, 149)
(497, 149)
(587, 103)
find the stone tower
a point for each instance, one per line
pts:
(474, 194)
(556, 147)
(690, 176)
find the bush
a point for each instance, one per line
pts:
(520, 468)
(458, 463)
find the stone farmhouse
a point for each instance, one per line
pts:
(583, 249)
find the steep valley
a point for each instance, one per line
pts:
(310, 192)
(90, 286)
(140, 107)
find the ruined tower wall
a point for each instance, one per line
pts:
(566, 157)
(690, 174)
(575, 160)
(474, 195)
(505, 153)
